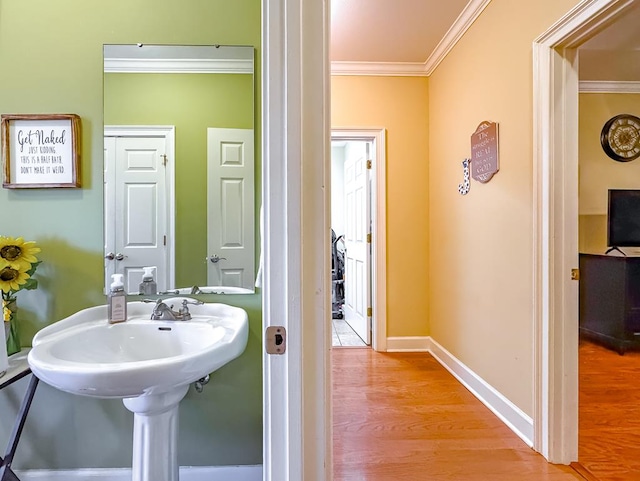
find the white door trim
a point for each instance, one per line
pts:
(379, 221)
(296, 294)
(555, 157)
(169, 133)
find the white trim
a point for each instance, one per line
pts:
(150, 65)
(417, 69)
(169, 133)
(379, 227)
(390, 69)
(510, 414)
(464, 21)
(602, 86)
(408, 344)
(555, 136)
(296, 294)
(187, 473)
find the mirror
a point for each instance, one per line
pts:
(179, 167)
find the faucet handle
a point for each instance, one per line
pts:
(195, 302)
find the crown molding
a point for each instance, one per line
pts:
(464, 21)
(611, 87)
(392, 69)
(417, 69)
(129, 65)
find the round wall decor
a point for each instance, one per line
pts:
(620, 137)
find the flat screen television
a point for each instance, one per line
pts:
(623, 218)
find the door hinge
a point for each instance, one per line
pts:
(164, 159)
(368, 165)
(369, 312)
(276, 340)
(164, 239)
(369, 238)
(575, 274)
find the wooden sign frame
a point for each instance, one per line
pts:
(40, 150)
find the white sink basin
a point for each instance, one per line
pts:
(84, 354)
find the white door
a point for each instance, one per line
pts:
(357, 283)
(230, 208)
(136, 209)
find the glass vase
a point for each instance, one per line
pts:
(11, 328)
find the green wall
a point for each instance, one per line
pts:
(191, 103)
(51, 57)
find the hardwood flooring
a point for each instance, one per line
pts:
(402, 416)
(609, 413)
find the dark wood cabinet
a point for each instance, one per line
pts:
(610, 300)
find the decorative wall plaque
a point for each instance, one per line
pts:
(40, 151)
(484, 152)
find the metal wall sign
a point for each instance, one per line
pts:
(484, 152)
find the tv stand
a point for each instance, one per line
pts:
(615, 249)
(610, 301)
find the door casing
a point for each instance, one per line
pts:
(555, 214)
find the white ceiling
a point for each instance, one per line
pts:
(390, 30)
(414, 32)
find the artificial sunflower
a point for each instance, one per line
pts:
(13, 276)
(14, 250)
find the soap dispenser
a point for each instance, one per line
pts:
(117, 300)
(148, 286)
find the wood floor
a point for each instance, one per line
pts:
(402, 416)
(609, 413)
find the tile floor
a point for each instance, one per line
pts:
(343, 335)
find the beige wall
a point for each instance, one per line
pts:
(400, 105)
(598, 172)
(481, 244)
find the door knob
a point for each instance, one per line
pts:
(120, 256)
(110, 256)
(216, 259)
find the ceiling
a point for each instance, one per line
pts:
(415, 35)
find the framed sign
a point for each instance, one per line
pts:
(40, 151)
(484, 152)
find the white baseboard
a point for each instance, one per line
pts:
(509, 413)
(408, 344)
(187, 473)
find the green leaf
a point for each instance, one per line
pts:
(30, 284)
(33, 268)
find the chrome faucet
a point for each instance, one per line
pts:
(163, 312)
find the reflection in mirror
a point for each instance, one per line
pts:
(179, 166)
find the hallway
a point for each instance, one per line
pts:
(402, 416)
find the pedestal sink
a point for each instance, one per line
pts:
(149, 364)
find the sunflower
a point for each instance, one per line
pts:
(17, 251)
(12, 276)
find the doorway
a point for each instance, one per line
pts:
(358, 218)
(556, 226)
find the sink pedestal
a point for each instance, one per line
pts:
(155, 435)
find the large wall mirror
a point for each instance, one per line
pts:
(179, 167)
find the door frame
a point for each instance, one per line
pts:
(295, 125)
(379, 226)
(169, 134)
(555, 215)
